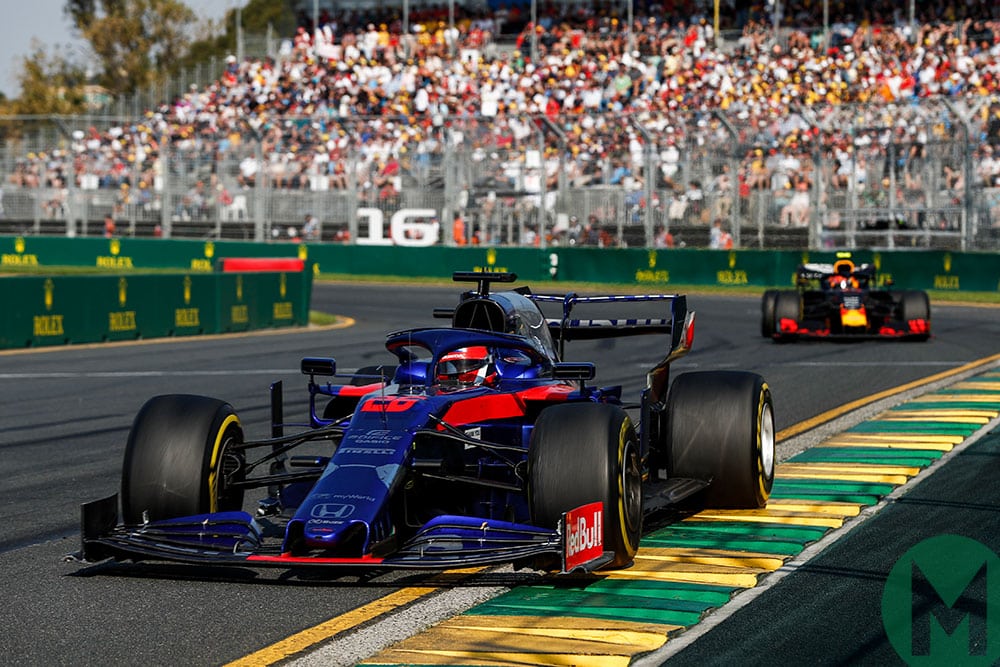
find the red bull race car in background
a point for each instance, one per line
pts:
(844, 301)
(479, 444)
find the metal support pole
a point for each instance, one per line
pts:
(541, 186)
(70, 185)
(534, 31)
(239, 34)
(648, 182)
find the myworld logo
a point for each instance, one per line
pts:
(941, 603)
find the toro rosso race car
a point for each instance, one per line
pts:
(478, 445)
(842, 300)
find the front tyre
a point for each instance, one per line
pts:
(582, 453)
(721, 426)
(915, 305)
(767, 304)
(787, 306)
(180, 458)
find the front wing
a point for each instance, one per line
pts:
(235, 538)
(915, 329)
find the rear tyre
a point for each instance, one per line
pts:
(767, 304)
(787, 306)
(721, 426)
(582, 453)
(179, 459)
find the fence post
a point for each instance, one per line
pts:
(450, 172)
(164, 158)
(542, 212)
(351, 160)
(70, 183)
(648, 154)
(734, 180)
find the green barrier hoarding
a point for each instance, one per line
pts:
(655, 268)
(60, 310)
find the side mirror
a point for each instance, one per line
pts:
(319, 366)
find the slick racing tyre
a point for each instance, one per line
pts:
(179, 459)
(767, 304)
(582, 453)
(787, 306)
(721, 428)
(914, 305)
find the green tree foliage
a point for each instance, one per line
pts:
(49, 85)
(258, 15)
(133, 44)
(136, 42)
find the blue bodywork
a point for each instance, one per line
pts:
(416, 472)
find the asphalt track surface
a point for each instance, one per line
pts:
(67, 411)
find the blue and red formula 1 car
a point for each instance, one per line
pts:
(843, 301)
(478, 445)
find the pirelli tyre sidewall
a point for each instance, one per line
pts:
(721, 428)
(177, 459)
(582, 453)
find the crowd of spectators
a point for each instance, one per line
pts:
(357, 102)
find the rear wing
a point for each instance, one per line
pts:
(815, 271)
(678, 328)
(568, 327)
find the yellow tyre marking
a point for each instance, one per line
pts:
(622, 524)
(213, 470)
(762, 492)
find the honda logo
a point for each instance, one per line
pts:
(332, 511)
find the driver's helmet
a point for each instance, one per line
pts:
(843, 275)
(467, 367)
(844, 267)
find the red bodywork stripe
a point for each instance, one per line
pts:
(288, 558)
(549, 392)
(502, 406)
(483, 408)
(352, 390)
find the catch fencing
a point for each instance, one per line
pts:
(915, 175)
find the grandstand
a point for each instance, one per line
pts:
(873, 129)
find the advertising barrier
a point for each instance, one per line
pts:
(238, 286)
(909, 269)
(61, 310)
(659, 268)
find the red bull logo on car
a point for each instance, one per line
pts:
(584, 534)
